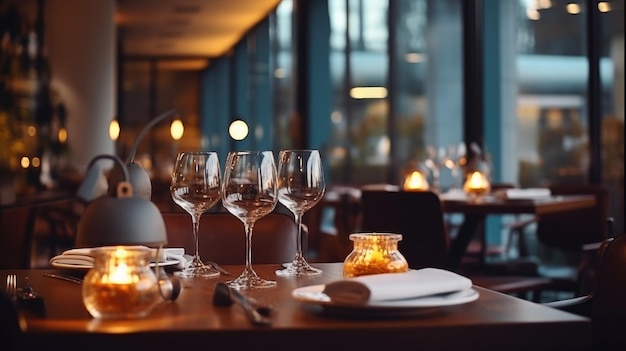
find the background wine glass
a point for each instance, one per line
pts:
(196, 187)
(300, 187)
(250, 192)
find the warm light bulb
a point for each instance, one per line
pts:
(114, 130)
(238, 130)
(62, 135)
(25, 162)
(177, 129)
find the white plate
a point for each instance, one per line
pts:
(87, 267)
(313, 295)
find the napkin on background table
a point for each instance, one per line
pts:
(83, 257)
(395, 286)
(527, 193)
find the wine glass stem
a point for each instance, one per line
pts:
(298, 219)
(195, 221)
(249, 226)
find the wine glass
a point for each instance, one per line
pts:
(196, 187)
(300, 187)
(250, 192)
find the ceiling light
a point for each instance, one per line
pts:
(368, 92)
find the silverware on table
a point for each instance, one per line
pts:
(225, 296)
(67, 278)
(217, 266)
(11, 286)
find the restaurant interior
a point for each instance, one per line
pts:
(527, 93)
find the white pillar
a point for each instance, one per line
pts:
(80, 46)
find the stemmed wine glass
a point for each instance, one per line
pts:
(196, 187)
(250, 192)
(300, 187)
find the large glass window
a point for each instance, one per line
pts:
(282, 69)
(376, 134)
(552, 103)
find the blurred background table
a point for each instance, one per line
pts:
(475, 213)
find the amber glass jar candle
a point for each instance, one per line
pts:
(374, 253)
(121, 284)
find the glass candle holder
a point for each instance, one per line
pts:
(415, 181)
(121, 284)
(374, 253)
(477, 184)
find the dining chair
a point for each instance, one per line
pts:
(605, 304)
(419, 217)
(221, 238)
(569, 240)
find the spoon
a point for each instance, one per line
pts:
(224, 296)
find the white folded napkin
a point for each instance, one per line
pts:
(528, 193)
(395, 286)
(453, 195)
(83, 257)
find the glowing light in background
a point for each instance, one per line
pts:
(177, 129)
(62, 135)
(368, 92)
(25, 162)
(238, 130)
(573, 9)
(114, 130)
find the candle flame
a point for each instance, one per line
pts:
(477, 182)
(415, 181)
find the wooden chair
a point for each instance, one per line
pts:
(222, 239)
(605, 305)
(419, 217)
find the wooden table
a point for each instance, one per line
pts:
(494, 321)
(475, 212)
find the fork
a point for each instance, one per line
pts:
(11, 286)
(217, 266)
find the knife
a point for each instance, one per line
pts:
(67, 278)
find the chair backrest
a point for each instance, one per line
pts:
(609, 296)
(417, 215)
(572, 229)
(610, 279)
(221, 237)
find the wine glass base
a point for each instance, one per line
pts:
(250, 281)
(298, 268)
(197, 272)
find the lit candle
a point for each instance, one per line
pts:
(374, 253)
(120, 285)
(477, 183)
(415, 181)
